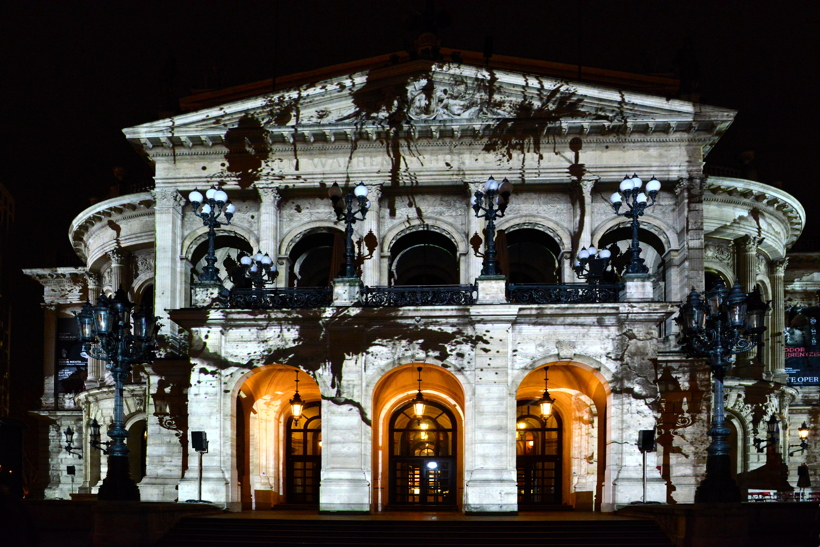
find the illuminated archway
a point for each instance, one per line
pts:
(577, 433)
(393, 396)
(265, 430)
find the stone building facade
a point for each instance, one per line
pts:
(423, 136)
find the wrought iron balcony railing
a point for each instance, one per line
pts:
(571, 293)
(275, 299)
(417, 295)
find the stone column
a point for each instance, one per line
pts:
(119, 272)
(777, 363)
(95, 366)
(370, 268)
(489, 437)
(170, 283)
(746, 272)
(269, 225)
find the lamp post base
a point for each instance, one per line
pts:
(118, 484)
(718, 486)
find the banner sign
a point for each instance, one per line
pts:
(802, 350)
(70, 363)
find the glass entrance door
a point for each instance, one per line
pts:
(423, 457)
(304, 457)
(538, 458)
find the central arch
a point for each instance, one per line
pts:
(409, 470)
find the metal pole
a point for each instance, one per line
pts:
(643, 498)
(199, 492)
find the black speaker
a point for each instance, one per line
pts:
(199, 440)
(646, 440)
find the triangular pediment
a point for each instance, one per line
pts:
(422, 94)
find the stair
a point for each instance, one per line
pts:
(218, 532)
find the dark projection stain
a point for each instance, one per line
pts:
(329, 341)
(247, 150)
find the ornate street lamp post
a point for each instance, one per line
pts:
(636, 200)
(491, 204)
(260, 269)
(109, 332)
(718, 328)
(345, 211)
(591, 264)
(214, 203)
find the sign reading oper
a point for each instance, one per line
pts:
(802, 350)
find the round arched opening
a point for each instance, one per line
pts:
(565, 463)
(278, 455)
(619, 243)
(137, 442)
(417, 459)
(227, 250)
(317, 258)
(528, 255)
(424, 257)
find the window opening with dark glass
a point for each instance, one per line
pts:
(303, 458)
(539, 448)
(423, 457)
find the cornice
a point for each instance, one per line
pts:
(122, 208)
(760, 195)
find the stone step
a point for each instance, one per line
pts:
(247, 532)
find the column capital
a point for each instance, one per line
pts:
(269, 195)
(117, 257)
(168, 198)
(374, 192)
(748, 244)
(779, 266)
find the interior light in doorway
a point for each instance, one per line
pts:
(546, 401)
(419, 402)
(296, 404)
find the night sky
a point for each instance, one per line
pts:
(76, 73)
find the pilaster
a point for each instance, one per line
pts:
(490, 457)
(471, 267)
(372, 224)
(170, 283)
(269, 224)
(777, 362)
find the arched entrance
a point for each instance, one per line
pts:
(278, 458)
(539, 456)
(417, 459)
(423, 457)
(303, 456)
(561, 459)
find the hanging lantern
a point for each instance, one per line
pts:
(296, 404)
(803, 432)
(419, 402)
(546, 401)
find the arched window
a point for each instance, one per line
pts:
(228, 247)
(539, 449)
(619, 243)
(317, 258)
(424, 257)
(304, 456)
(423, 456)
(531, 256)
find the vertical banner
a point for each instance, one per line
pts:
(802, 351)
(71, 362)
